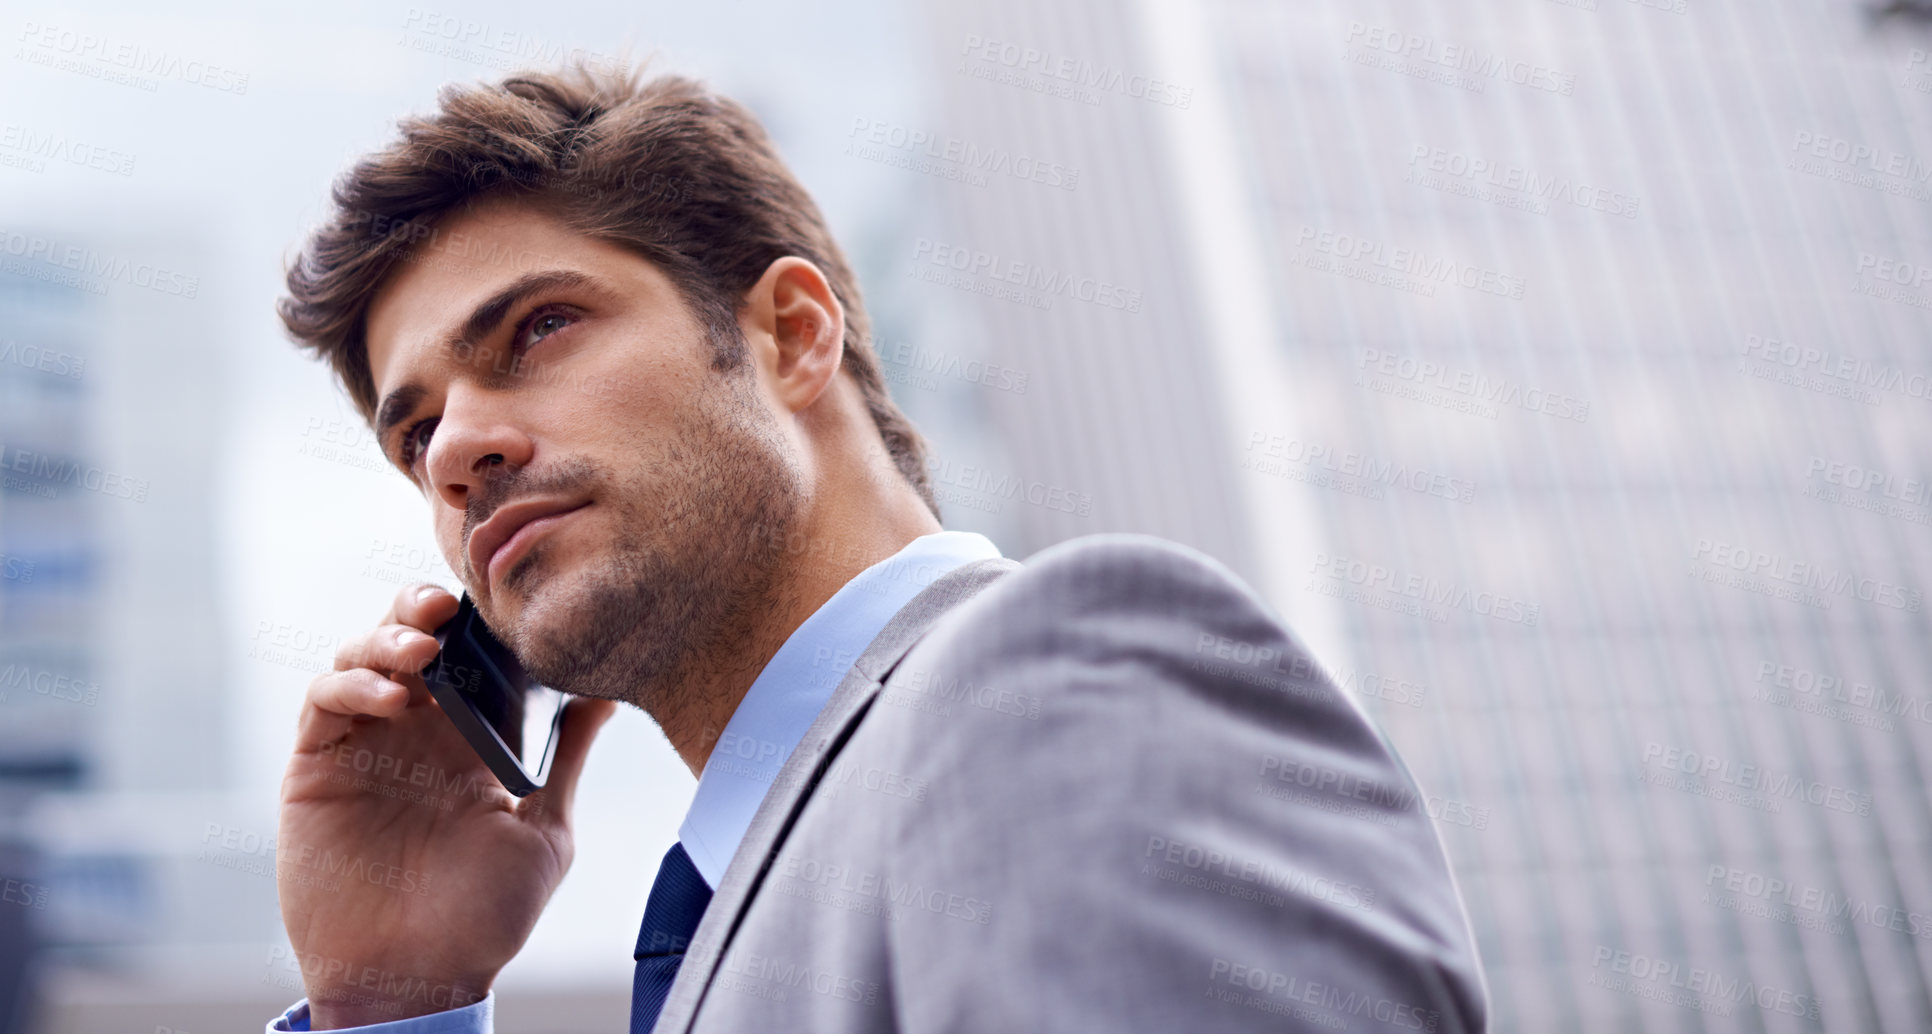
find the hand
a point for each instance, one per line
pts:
(408, 875)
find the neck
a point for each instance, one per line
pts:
(840, 537)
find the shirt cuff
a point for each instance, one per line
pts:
(470, 1019)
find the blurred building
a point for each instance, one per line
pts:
(1597, 351)
(49, 594)
(1069, 285)
(112, 680)
(51, 539)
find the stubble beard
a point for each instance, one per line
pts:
(689, 574)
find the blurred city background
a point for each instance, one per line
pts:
(1559, 370)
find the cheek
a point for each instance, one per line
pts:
(635, 412)
(449, 538)
(644, 367)
(590, 404)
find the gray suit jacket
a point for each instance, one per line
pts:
(1105, 791)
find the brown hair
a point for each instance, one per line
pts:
(685, 178)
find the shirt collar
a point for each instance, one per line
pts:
(795, 685)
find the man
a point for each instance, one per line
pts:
(608, 336)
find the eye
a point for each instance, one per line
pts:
(415, 441)
(541, 323)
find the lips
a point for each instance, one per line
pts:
(488, 538)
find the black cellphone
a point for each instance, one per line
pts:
(509, 718)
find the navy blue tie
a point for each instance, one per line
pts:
(671, 916)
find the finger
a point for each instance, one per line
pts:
(388, 648)
(359, 692)
(422, 606)
(582, 719)
(337, 699)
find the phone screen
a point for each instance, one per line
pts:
(510, 719)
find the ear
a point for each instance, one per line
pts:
(796, 329)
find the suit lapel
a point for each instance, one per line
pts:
(801, 773)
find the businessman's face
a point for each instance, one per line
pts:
(614, 504)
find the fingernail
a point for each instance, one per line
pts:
(426, 592)
(410, 637)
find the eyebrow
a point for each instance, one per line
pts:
(482, 322)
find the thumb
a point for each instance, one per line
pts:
(582, 718)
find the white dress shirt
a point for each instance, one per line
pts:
(794, 687)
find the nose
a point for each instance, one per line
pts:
(475, 440)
